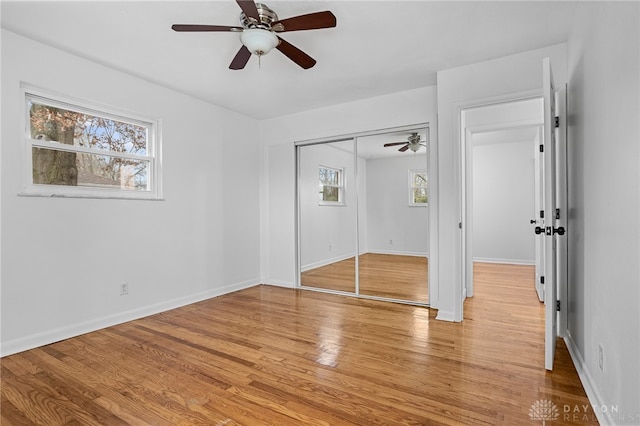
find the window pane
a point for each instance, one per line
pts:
(333, 177)
(86, 130)
(330, 193)
(53, 167)
(419, 179)
(420, 195)
(329, 176)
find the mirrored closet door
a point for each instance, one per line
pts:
(393, 213)
(327, 224)
(363, 215)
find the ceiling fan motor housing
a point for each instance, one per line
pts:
(267, 16)
(414, 138)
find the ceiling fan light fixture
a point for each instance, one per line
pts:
(414, 147)
(259, 41)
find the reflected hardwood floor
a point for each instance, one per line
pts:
(382, 275)
(339, 276)
(270, 355)
(395, 277)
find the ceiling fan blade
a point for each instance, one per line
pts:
(404, 148)
(393, 144)
(311, 21)
(295, 54)
(189, 27)
(241, 59)
(249, 8)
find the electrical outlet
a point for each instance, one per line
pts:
(390, 242)
(600, 358)
(124, 289)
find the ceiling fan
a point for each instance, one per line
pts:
(413, 143)
(258, 32)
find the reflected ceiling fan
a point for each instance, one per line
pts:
(413, 143)
(258, 32)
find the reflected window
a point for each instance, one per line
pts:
(330, 185)
(418, 190)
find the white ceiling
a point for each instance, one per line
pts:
(378, 47)
(372, 147)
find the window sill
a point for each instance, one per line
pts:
(91, 196)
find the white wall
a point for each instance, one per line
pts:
(278, 136)
(604, 202)
(503, 202)
(63, 260)
(393, 226)
(476, 84)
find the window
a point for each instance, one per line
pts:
(331, 185)
(418, 190)
(76, 150)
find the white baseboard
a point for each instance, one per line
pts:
(398, 253)
(505, 261)
(446, 316)
(279, 283)
(587, 381)
(66, 332)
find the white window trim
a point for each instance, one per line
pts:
(412, 187)
(29, 189)
(340, 186)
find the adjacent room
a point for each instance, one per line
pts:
(226, 212)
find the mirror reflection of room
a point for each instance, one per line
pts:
(379, 189)
(394, 216)
(327, 216)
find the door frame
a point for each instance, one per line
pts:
(461, 291)
(464, 259)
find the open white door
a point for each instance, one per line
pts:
(550, 229)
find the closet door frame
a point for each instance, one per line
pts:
(431, 167)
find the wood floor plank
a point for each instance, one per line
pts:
(270, 355)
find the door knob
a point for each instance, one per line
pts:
(539, 230)
(560, 230)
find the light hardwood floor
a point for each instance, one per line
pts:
(269, 355)
(382, 275)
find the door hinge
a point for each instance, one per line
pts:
(541, 214)
(558, 305)
(459, 225)
(541, 148)
(557, 213)
(542, 279)
(557, 123)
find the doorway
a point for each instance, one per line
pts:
(498, 170)
(552, 217)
